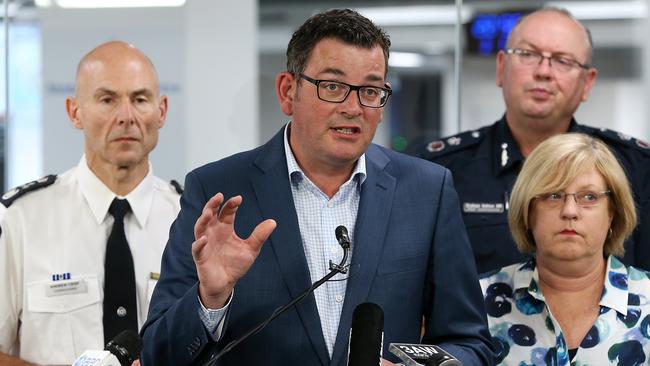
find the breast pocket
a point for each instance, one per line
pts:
(65, 316)
(400, 265)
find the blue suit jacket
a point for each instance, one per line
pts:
(410, 248)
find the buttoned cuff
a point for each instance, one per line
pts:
(213, 318)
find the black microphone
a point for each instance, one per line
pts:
(343, 239)
(423, 354)
(366, 335)
(124, 348)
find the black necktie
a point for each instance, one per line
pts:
(120, 308)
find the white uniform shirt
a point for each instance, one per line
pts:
(52, 251)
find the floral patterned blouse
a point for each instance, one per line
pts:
(526, 333)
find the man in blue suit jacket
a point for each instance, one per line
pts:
(410, 253)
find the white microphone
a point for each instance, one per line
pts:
(423, 354)
(97, 358)
(120, 351)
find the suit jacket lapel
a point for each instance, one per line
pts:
(372, 222)
(273, 192)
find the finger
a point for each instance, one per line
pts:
(214, 202)
(202, 224)
(207, 214)
(197, 247)
(261, 233)
(227, 213)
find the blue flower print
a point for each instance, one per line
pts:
(522, 335)
(618, 280)
(496, 299)
(628, 353)
(591, 339)
(631, 318)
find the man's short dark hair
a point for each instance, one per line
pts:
(344, 25)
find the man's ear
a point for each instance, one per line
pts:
(286, 88)
(589, 83)
(72, 108)
(162, 109)
(501, 64)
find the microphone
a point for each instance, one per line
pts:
(366, 335)
(343, 239)
(120, 351)
(413, 354)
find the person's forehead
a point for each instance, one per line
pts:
(338, 53)
(551, 26)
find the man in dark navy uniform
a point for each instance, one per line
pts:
(545, 73)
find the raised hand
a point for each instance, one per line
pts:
(221, 257)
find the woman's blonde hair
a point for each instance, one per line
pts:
(551, 167)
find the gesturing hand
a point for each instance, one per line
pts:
(221, 257)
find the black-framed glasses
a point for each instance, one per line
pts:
(559, 63)
(337, 92)
(582, 198)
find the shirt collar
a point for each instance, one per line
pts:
(296, 174)
(99, 196)
(615, 291)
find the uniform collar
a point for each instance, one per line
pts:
(615, 289)
(506, 152)
(99, 197)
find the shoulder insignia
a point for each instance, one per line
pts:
(642, 144)
(614, 137)
(435, 146)
(450, 144)
(9, 197)
(177, 186)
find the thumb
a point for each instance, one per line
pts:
(261, 233)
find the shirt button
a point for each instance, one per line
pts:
(121, 312)
(333, 250)
(330, 204)
(339, 298)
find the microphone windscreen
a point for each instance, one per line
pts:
(366, 335)
(126, 346)
(342, 236)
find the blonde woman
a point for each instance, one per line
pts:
(573, 302)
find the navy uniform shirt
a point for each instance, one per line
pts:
(485, 164)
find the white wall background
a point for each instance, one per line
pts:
(208, 71)
(218, 67)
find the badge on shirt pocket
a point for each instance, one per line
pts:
(68, 287)
(67, 314)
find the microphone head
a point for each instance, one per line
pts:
(126, 346)
(366, 335)
(342, 237)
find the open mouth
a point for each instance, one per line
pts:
(347, 130)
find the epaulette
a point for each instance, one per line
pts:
(451, 144)
(609, 137)
(8, 198)
(177, 186)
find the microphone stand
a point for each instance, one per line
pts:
(334, 269)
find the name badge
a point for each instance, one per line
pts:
(489, 208)
(66, 288)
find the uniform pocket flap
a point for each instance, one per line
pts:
(62, 296)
